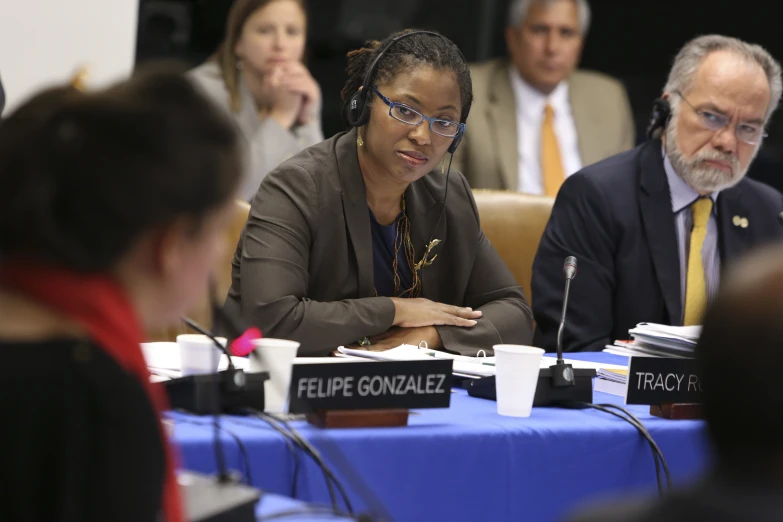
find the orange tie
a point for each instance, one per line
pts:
(551, 167)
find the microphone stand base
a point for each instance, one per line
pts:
(551, 390)
(547, 394)
(225, 392)
(205, 499)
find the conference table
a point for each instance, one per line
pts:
(279, 507)
(463, 463)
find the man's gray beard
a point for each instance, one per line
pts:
(702, 178)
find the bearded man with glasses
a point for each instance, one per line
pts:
(653, 228)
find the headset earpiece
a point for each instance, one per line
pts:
(358, 113)
(661, 113)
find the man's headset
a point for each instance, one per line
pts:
(358, 112)
(661, 113)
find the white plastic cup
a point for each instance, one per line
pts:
(198, 353)
(275, 356)
(516, 377)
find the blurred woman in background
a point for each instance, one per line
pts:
(258, 76)
(113, 211)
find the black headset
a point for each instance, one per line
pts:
(661, 113)
(358, 112)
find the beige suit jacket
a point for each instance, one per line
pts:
(488, 156)
(303, 269)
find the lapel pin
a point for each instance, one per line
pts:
(740, 221)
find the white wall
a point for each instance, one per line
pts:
(43, 42)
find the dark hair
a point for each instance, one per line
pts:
(413, 51)
(240, 11)
(739, 353)
(83, 175)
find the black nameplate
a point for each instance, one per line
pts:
(375, 385)
(658, 380)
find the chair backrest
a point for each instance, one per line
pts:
(514, 223)
(202, 312)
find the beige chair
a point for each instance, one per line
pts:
(514, 222)
(201, 313)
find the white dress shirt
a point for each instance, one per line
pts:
(530, 105)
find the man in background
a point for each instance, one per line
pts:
(535, 120)
(739, 354)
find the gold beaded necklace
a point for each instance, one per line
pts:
(402, 240)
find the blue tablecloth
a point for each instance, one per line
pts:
(466, 462)
(272, 507)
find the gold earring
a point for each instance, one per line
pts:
(359, 140)
(443, 165)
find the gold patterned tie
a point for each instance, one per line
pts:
(696, 286)
(551, 166)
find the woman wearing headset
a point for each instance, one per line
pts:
(363, 238)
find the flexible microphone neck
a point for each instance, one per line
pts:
(562, 374)
(562, 323)
(569, 270)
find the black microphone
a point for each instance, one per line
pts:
(224, 499)
(563, 374)
(780, 218)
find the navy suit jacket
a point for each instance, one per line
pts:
(616, 217)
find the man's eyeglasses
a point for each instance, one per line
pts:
(400, 111)
(747, 132)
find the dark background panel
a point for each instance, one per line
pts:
(633, 40)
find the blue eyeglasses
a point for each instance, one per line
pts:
(401, 112)
(747, 132)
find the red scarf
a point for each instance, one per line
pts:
(99, 305)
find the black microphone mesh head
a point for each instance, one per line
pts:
(780, 218)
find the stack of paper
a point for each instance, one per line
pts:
(463, 366)
(657, 340)
(613, 381)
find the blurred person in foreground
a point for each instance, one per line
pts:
(738, 353)
(355, 240)
(536, 118)
(258, 77)
(653, 227)
(114, 209)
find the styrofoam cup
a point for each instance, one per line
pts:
(275, 356)
(516, 376)
(198, 353)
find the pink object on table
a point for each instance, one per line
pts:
(243, 345)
